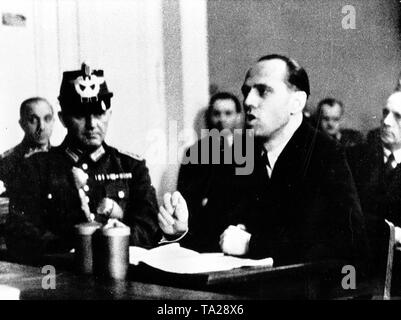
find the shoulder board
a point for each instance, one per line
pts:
(130, 154)
(7, 153)
(27, 155)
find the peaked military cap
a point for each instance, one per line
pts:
(84, 92)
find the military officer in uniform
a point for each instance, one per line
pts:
(84, 179)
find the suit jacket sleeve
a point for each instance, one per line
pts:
(141, 211)
(27, 236)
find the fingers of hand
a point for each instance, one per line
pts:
(181, 211)
(226, 233)
(164, 223)
(161, 220)
(175, 198)
(167, 203)
(225, 239)
(167, 216)
(116, 211)
(234, 241)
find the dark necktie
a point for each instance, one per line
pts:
(262, 164)
(265, 159)
(389, 165)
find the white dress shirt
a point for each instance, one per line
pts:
(397, 156)
(274, 148)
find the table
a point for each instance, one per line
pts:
(28, 280)
(298, 281)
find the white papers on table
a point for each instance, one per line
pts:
(176, 259)
(9, 293)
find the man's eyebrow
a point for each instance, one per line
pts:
(262, 86)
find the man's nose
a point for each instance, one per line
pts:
(387, 119)
(250, 102)
(41, 125)
(90, 121)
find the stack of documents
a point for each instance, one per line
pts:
(176, 259)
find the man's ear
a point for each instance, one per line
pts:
(299, 101)
(61, 116)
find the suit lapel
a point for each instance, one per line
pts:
(294, 160)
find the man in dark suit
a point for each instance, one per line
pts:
(299, 203)
(328, 116)
(204, 176)
(301, 199)
(376, 169)
(377, 173)
(36, 120)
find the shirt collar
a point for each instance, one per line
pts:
(338, 136)
(274, 152)
(27, 149)
(76, 154)
(230, 139)
(396, 153)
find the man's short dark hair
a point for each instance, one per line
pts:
(331, 102)
(296, 75)
(221, 96)
(30, 101)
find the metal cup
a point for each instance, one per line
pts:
(84, 246)
(112, 251)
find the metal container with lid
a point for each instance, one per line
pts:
(84, 246)
(112, 250)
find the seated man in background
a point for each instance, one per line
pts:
(223, 113)
(83, 179)
(328, 117)
(299, 203)
(36, 120)
(377, 172)
(202, 183)
(374, 134)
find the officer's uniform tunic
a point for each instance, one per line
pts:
(45, 205)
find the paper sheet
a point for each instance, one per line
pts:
(176, 259)
(9, 293)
